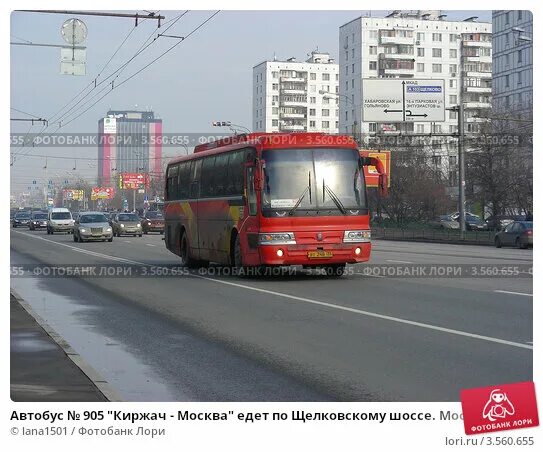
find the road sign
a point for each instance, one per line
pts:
(401, 100)
(110, 125)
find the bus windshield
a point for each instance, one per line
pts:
(313, 179)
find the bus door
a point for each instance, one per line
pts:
(250, 223)
(192, 208)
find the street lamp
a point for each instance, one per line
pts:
(329, 95)
(231, 126)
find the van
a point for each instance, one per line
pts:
(60, 220)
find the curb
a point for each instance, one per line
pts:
(101, 384)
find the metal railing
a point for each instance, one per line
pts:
(434, 235)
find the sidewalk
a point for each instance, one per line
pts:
(40, 369)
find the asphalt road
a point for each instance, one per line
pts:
(298, 337)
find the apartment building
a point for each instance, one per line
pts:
(512, 58)
(417, 45)
(296, 96)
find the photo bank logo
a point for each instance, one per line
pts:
(495, 408)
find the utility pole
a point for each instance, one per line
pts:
(461, 163)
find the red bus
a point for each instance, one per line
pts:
(269, 199)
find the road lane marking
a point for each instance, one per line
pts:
(399, 262)
(515, 293)
(149, 244)
(314, 302)
(127, 241)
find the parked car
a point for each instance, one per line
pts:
(499, 222)
(152, 221)
(38, 220)
(126, 224)
(60, 220)
(444, 222)
(517, 233)
(474, 223)
(92, 226)
(21, 219)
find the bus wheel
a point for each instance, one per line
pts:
(335, 271)
(186, 260)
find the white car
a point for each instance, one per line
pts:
(60, 220)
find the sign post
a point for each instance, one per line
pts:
(400, 100)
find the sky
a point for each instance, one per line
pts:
(208, 77)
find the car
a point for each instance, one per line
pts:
(152, 221)
(60, 220)
(21, 218)
(92, 226)
(38, 220)
(75, 216)
(444, 222)
(474, 223)
(126, 224)
(499, 222)
(517, 233)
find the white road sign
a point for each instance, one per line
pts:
(403, 100)
(110, 125)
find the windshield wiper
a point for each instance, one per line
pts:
(333, 196)
(302, 196)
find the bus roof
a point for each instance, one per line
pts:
(276, 140)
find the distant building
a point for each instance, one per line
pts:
(512, 83)
(129, 142)
(289, 96)
(420, 44)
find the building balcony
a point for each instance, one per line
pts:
(478, 59)
(476, 119)
(293, 79)
(476, 74)
(486, 44)
(478, 89)
(397, 56)
(293, 103)
(399, 71)
(292, 115)
(393, 40)
(293, 91)
(292, 127)
(477, 105)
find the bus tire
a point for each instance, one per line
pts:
(184, 252)
(238, 258)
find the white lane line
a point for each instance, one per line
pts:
(515, 293)
(399, 262)
(127, 241)
(318, 303)
(149, 244)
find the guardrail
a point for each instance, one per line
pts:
(434, 235)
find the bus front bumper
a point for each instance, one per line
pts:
(311, 255)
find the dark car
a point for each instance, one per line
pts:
(153, 221)
(474, 223)
(21, 218)
(126, 224)
(499, 222)
(38, 221)
(517, 233)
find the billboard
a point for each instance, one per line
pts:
(110, 125)
(73, 195)
(102, 193)
(370, 172)
(133, 181)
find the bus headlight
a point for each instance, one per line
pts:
(277, 238)
(357, 236)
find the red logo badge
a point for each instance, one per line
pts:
(495, 408)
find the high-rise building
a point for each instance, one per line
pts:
(130, 141)
(512, 84)
(295, 96)
(416, 45)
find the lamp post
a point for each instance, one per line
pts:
(329, 95)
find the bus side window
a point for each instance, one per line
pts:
(172, 182)
(207, 189)
(221, 174)
(194, 187)
(184, 173)
(251, 194)
(234, 186)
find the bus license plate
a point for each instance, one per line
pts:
(320, 254)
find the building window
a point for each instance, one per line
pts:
(275, 122)
(420, 51)
(519, 56)
(453, 37)
(326, 77)
(275, 86)
(373, 50)
(436, 53)
(420, 67)
(507, 18)
(519, 14)
(312, 124)
(453, 68)
(325, 112)
(420, 128)
(326, 100)
(420, 37)
(275, 110)
(519, 78)
(312, 88)
(373, 65)
(325, 124)
(337, 77)
(347, 85)
(453, 53)
(453, 83)
(453, 114)
(453, 129)
(275, 98)
(436, 68)
(352, 53)
(352, 68)
(312, 112)
(373, 34)
(436, 37)
(312, 76)
(352, 83)
(346, 116)
(372, 127)
(347, 70)
(453, 99)
(275, 74)
(507, 81)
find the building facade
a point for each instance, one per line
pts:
(293, 96)
(130, 141)
(416, 45)
(512, 62)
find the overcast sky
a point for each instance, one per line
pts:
(208, 77)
